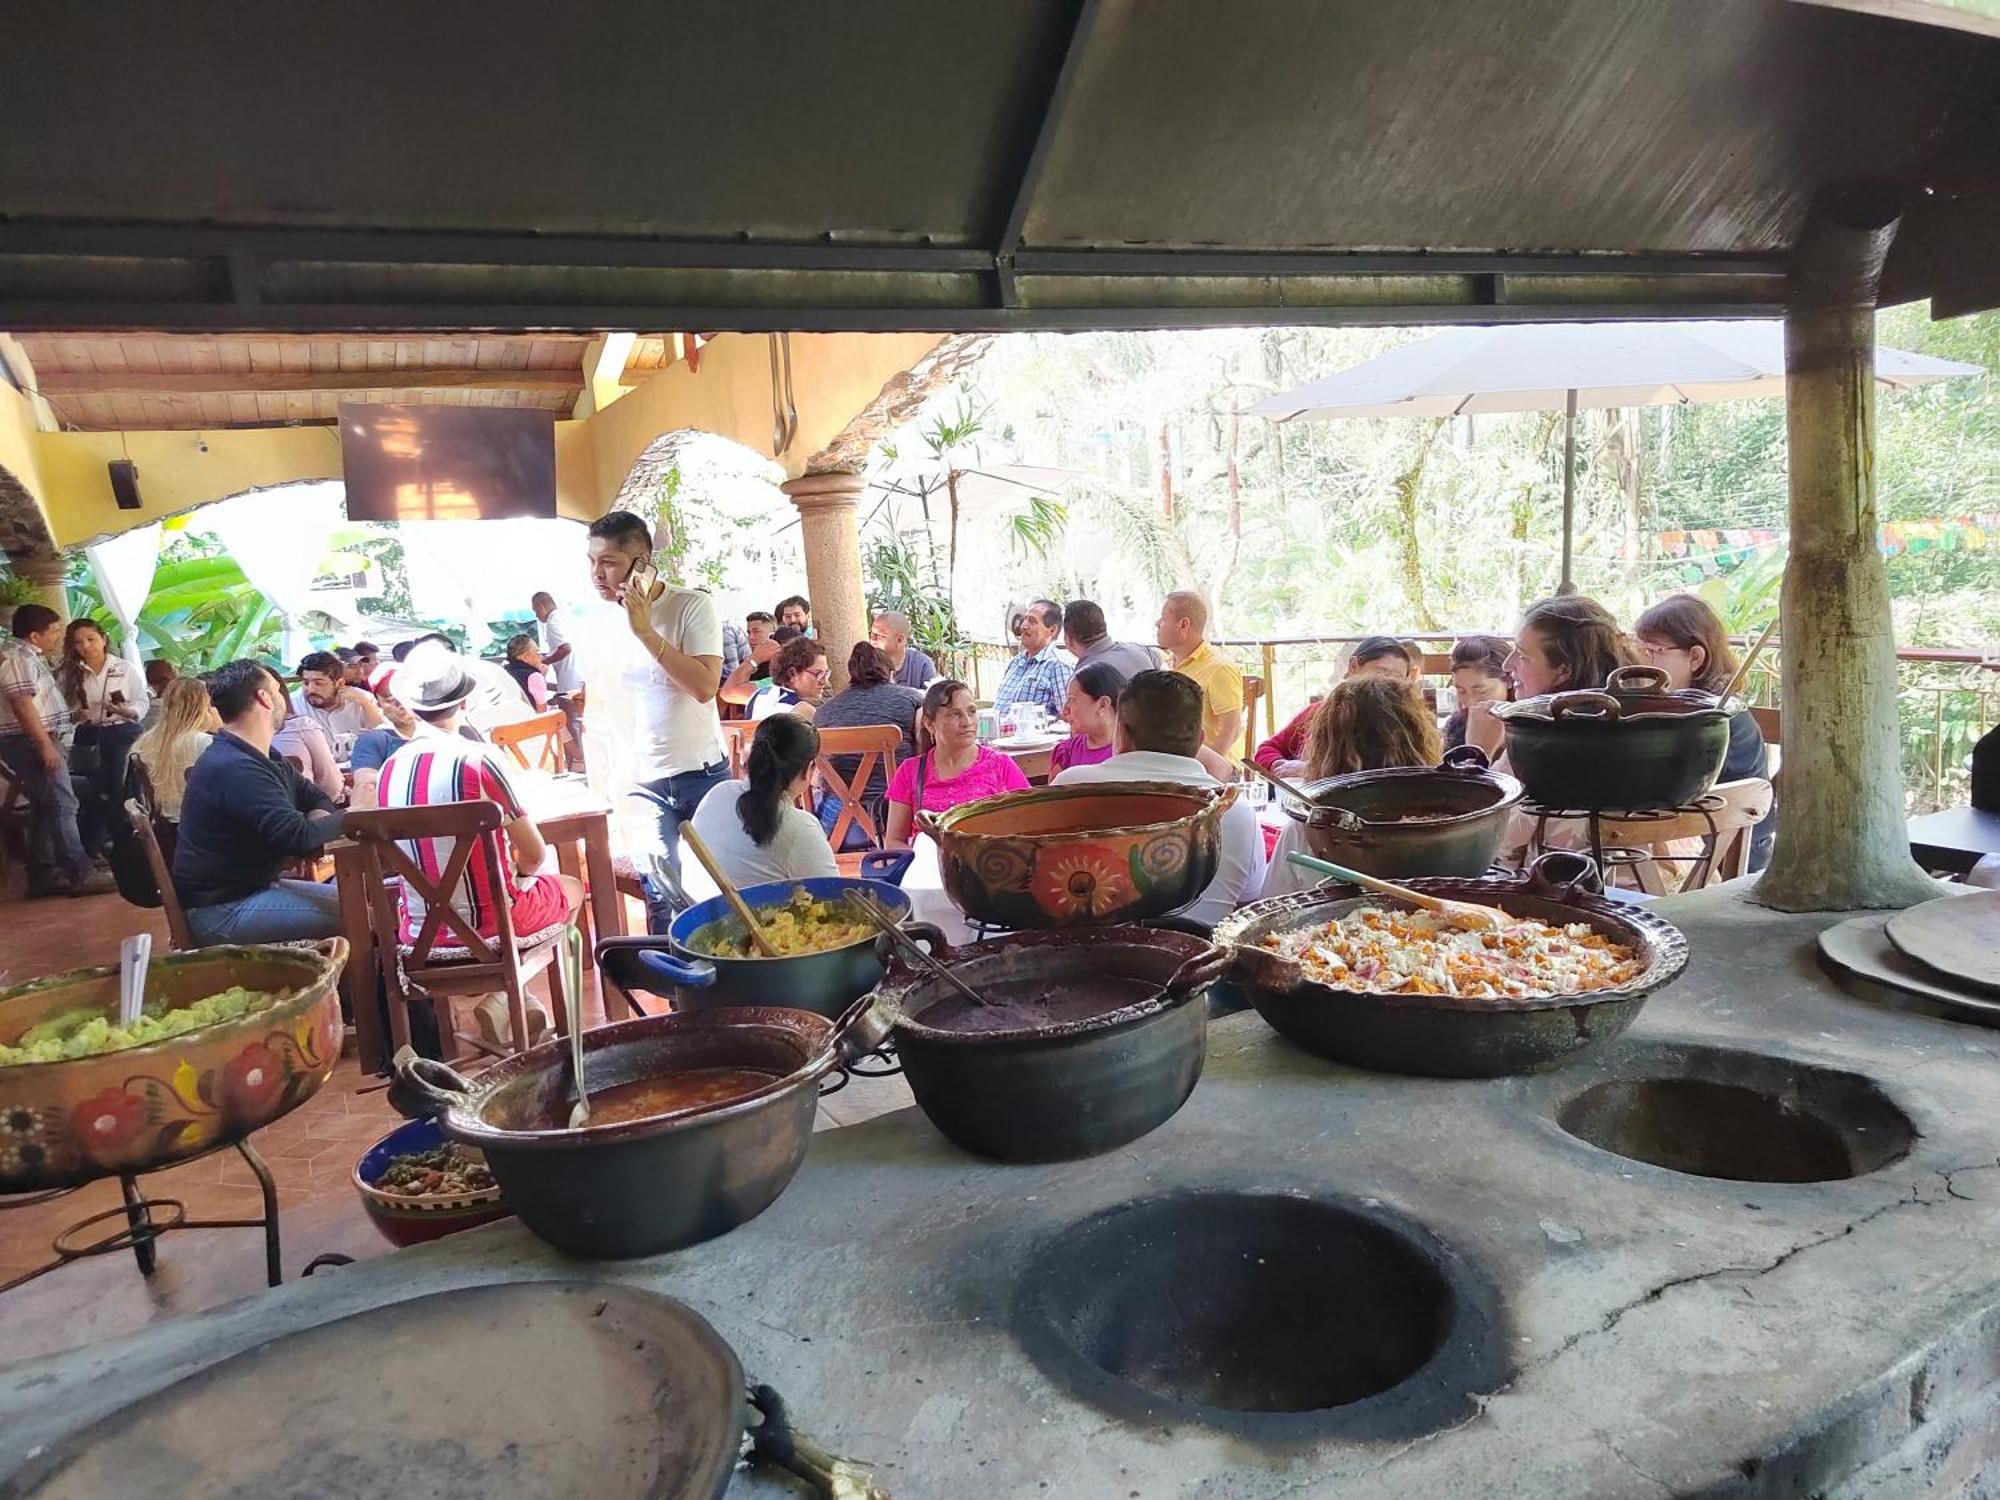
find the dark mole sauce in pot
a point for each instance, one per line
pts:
(641, 1099)
(1021, 1004)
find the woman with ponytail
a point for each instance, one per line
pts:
(755, 826)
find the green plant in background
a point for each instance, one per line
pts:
(1035, 530)
(1746, 598)
(201, 613)
(898, 579)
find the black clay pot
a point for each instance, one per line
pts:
(1633, 746)
(645, 1186)
(1027, 1089)
(1438, 1036)
(1442, 820)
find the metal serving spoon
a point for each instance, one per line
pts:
(572, 961)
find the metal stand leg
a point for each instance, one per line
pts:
(140, 1217)
(274, 1272)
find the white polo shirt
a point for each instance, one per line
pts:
(1239, 872)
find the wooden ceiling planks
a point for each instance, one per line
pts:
(137, 381)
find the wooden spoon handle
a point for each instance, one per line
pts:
(1291, 790)
(729, 892)
(1368, 882)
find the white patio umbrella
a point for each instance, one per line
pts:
(1568, 367)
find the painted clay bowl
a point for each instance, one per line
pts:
(404, 1220)
(1102, 852)
(65, 1123)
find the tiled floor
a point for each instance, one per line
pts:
(310, 1153)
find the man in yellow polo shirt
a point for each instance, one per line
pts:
(1183, 618)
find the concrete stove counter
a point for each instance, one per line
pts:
(1655, 1333)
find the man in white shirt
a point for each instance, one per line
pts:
(1159, 735)
(667, 667)
(324, 697)
(567, 688)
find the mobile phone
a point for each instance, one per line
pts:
(644, 579)
(118, 696)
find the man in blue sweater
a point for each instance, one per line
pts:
(245, 815)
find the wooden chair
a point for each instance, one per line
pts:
(142, 820)
(449, 957)
(1253, 691)
(1725, 853)
(736, 740)
(535, 743)
(13, 821)
(1770, 724)
(866, 746)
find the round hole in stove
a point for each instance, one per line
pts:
(1741, 1117)
(1271, 1312)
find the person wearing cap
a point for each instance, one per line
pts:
(374, 747)
(436, 765)
(245, 814)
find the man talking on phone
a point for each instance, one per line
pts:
(665, 673)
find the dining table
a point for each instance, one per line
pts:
(1030, 753)
(1953, 840)
(572, 818)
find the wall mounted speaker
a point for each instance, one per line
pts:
(125, 483)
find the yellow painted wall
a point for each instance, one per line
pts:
(174, 473)
(18, 442)
(833, 377)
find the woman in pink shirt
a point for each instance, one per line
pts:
(1092, 711)
(950, 765)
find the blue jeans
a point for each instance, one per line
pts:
(668, 803)
(281, 913)
(55, 852)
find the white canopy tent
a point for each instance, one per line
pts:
(1569, 367)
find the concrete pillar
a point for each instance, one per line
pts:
(1842, 838)
(832, 532)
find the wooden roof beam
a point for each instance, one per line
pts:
(280, 382)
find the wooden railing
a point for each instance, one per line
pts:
(1947, 698)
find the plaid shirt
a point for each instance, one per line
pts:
(1042, 678)
(735, 647)
(27, 686)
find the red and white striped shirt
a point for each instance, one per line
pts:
(432, 768)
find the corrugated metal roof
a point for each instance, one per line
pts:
(964, 164)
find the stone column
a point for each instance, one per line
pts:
(832, 531)
(45, 571)
(1842, 838)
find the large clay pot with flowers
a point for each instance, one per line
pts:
(64, 1123)
(1095, 853)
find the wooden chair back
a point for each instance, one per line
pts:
(1725, 846)
(736, 741)
(1769, 722)
(490, 963)
(13, 819)
(867, 746)
(178, 935)
(1253, 692)
(535, 743)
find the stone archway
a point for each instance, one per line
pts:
(24, 536)
(717, 513)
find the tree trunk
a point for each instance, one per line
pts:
(1622, 448)
(1842, 840)
(1234, 480)
(1407, 485)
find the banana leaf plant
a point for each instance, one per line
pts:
(201, 613)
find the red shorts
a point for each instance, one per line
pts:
(539, 904)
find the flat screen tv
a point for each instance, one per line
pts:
(447, 463)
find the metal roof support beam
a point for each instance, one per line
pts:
(1038, 155)
(27, 316)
